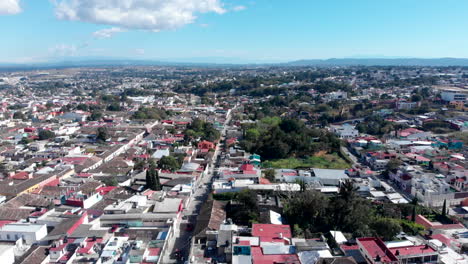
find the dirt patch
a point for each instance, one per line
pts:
(320, 153)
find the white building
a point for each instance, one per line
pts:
(405, 105)
(7, 254)
(330, 177)
(30, 233)
(454, 94)
(338, 95)
(432, 191)
(345, 131)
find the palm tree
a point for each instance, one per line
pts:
(347, 190)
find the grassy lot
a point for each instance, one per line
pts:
(463, 136)
(322, 161)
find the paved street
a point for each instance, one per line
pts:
(181, 240)
(350, 155)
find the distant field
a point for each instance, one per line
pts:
(322, 161)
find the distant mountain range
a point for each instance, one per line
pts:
(233, 62)
(383, 62)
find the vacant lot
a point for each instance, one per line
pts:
(321, 161)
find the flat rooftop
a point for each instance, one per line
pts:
(21, 227)
(452, 89)
(412, 250)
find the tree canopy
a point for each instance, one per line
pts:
(273, 138)
(152, 177)
(169, 163)
(310, 212)
(150, 113)
(203, 130)
(102, 134)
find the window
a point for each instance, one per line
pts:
(8, 236)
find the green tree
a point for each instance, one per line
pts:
(95, 116)
(152, 177)
(157, 181)
(150, 113)
(386, 228)
(348, 190)
(102, 134)
(82, 107)
(298, 231)
(411, 227)
(45, 134)
(169, 163)
(114, 107)
(25, 141)
(111, 181)
(416, 98)
(414, 202)
(19, 115)
(3, 169)
(308, 209)
(302, 184)
(201, 129)
(413, 214)
(393, 165)
(444, 208)
(252, 134)
(270, 174)
(149, 179)
(248, 199)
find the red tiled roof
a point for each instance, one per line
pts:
(259, 258)
(105, 189)
(22, 175)
(376, 247)
(413, 250)
(247, 167)
(442, 238)
(264, 181)
(154, 251)
(5, 222)
(345, 247)
(270, 232)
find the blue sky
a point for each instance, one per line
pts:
(248, 30)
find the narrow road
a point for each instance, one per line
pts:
(181, 241)
(350, 155)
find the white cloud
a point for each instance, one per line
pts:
(239, 8)
(204, 25)
(140, 51)
(107, 32)
(63, 50)
(153, 15)
(9, 7)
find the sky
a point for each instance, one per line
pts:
(240, 30)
